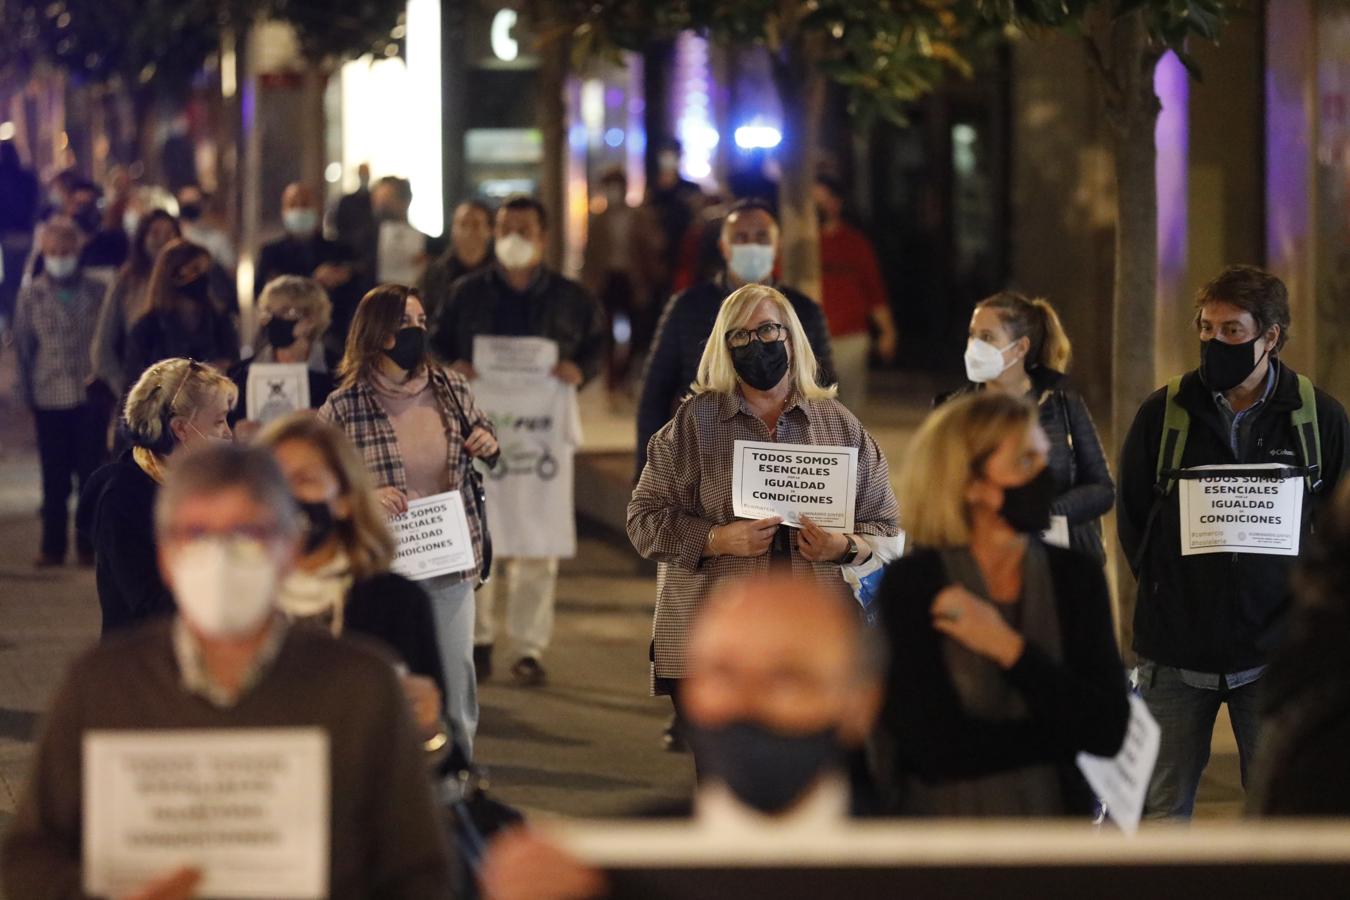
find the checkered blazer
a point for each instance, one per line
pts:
(357, 411)
(685, 490)
(53, 338)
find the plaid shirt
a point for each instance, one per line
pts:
(685, 490)
(54, 339)
(357, 411)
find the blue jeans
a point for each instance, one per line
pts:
(1186, 716)
(452, 607)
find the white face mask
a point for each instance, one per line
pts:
(984, 361)
(300, 222)
(60, 267)
(752, 262)
(224, 586)
(515, 252)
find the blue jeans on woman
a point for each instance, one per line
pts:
(1186, 705)
(452, 605)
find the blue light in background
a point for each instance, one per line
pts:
(614, 137)
(758, 137)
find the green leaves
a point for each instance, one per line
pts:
(1170, 23)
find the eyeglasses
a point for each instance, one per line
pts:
(189, 533)
(767, 333)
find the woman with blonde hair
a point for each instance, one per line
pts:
(1017, 346)
(177, 403)
(756, 382)
(341, 581)
(294, 315)
(1003, 658)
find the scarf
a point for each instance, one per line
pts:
(150, 463)
(319, 596)
(400, 390)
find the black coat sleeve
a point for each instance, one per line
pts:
(123, 534)
(1092, 493)
(397, 612)
(594, 328)
(445, 325)
(1082, 701)
(1138, 466)
(818, 333)
(1334, 429)
(661, 381)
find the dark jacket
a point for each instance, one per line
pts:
(320, 386)
(158, 336)
(295, 256)
(1215, 612)
(1084, 491)
(677, 347)
(126, 569)
(1079, 704)
(397, 612)
(440, 276)
(560, 310)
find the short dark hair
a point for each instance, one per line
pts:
(831, 184)
(751, 204)
(524, 203)
(480, 205)
(1253, 290)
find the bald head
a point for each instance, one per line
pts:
(785, 653)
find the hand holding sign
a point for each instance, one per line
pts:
(744, 538)
(819, 545)
(181, 885)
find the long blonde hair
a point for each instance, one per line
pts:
(365, 537)
(171, 389)
(717, 373)
(946, 454)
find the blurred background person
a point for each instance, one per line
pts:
(1305, 700)
(1018, 347)
(1003, 655)
(520, 296)
(400, 255)
(176, 405)
(853, 294)
(784, 683)
(53, 329)
(756, 382)
(195, 210)
(341, 581)
(127, 301)
(19, 198)
(470, 250)
(674, 202)
(182, 319)
(228, 532)
(621, 268)
(293, 315)
(303, 250)
(418, 430)
(353, 219)
(749, 245)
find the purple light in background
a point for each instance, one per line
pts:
(613, 97)
(1171, 82)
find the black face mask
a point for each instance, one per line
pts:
(87, 219)
(198, 289)
(410, 348)
(190, 212)
(1027, 507)
(280, 332)
(765, 769)
(318, 524)
(761, 365)
(1225, 366)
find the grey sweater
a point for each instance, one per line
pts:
(385, 840)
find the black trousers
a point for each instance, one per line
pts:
(71, 445)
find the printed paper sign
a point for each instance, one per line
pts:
(1057, 535)
(514, 358)
(771, 479)
(276, 390)
(1122, 781)
(433, 538)
(530, 503)
(249, 807)
(1237, 510)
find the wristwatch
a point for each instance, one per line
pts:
(851, 553)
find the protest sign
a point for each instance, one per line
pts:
(1241, 509)
(530, 502)
(433, 538)
(514, 359)
(248, 807)
(1121, 781)
(275, 390)
(789, 480)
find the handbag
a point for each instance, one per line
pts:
(473, 481)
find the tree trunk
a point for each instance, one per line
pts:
(553, 123)
(801, 88)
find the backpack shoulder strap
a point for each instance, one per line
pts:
(1304, 420)
(1176, 425)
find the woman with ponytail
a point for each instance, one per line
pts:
(176, 403)
(1018, 347)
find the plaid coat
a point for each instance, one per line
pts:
(357, 411)
(685, 490)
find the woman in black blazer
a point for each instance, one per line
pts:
(1003, 660)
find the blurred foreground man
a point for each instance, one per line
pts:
(784, 682)
(228, 530)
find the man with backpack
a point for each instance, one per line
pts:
(1211, 548)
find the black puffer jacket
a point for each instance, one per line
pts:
(1215, 612)
(1084, 491)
